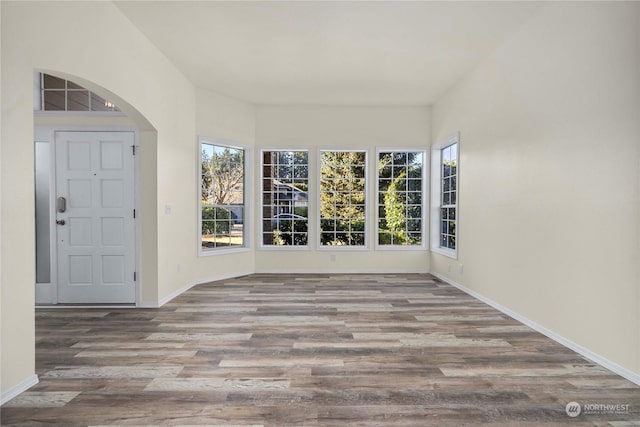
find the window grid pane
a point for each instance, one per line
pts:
(400, 198)
(449, 178)
(65, 95)
(222, 197)
(285, 199)
(342, 198)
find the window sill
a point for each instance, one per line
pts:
(284, 248)
(445, 252)
(401, 248)
(215, 252)
(343, 248)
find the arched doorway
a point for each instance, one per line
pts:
(87, 207)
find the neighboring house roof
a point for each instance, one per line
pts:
(290, 191)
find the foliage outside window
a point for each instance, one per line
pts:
(449, 193)
(57, 94)
(445, 170)
(222, 204)
(400, 198)
(285, 200)
(342, 198)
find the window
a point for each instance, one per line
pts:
(342, 198)
(285, 198)
(222, 206)
(400, 198)
(444, 195)
(56, 94)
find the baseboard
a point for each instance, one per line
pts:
(583, 351)
(66, 306)
(163, 301)
(338, 271)
(171, 296)
(16, 390)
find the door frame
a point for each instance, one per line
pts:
(49, 132)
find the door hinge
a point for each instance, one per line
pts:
(135, 276)
(134, 213)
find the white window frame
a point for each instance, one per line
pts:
(436, 195)
(425, 196)
(367, 179)
(246, 242)
(39, 98)
(261, 201)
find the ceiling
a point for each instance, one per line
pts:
(327, 52)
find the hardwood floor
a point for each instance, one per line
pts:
(312, 350)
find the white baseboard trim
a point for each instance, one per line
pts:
(338, 271)
(67, 306)
(188, 286)
(583, 351)
(16, 390)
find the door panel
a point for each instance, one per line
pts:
(96, 232)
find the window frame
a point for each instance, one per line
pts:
(424, 205)
(246, 192)
(367, 229)
(436, 195)
(39, 98)
(310, 185)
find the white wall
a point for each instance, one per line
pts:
(315, 128)
(2, 136)
(549, 176)
(549, 169)
(224, 119)
(44, 36)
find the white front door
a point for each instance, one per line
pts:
(95, 217)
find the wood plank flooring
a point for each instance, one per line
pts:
(312, 350)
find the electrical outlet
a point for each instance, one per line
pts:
(178, 268)
(461, 267)
(332, 257)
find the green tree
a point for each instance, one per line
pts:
(222, 185)
(400, 200)
(394, 209)
(342, 198)
(215, 220)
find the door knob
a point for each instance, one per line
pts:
(61, 222)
